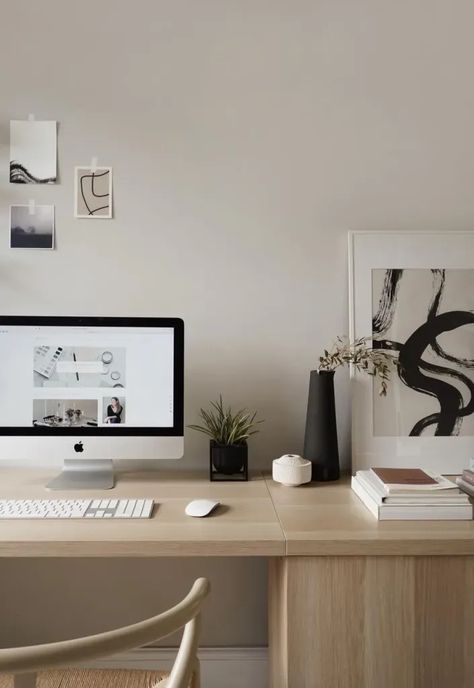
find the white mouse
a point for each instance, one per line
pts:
(201, 507)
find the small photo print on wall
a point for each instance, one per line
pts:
(33, 152)
(93, 193)
(32, 226)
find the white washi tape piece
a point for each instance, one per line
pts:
(31, 207)
(94, 164)
(31, 117)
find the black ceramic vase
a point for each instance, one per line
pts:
(320, 439)
(228, 459)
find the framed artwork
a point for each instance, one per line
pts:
(93, 193)
(32, 226)
(33, 152)
(413, 294)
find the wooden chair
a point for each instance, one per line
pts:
(37, 665)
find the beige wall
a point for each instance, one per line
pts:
(43, 600)
(246, 138)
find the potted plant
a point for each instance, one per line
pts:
(228, 432)
(320, 441)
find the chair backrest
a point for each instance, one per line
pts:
(30, 659)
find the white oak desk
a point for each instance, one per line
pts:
(328, 519)
(245, 524)
(358, 603)
(353, 603)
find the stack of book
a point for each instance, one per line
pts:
(466, 482)
(392, 494)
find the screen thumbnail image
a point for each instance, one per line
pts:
(65, 413)
(113, 410)
(79, 366)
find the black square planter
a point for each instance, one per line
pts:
(228, 462)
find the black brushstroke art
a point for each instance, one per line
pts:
(414, 370)
(19, 174)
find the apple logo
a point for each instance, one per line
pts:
(78, 447)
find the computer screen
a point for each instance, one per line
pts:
(90, 376)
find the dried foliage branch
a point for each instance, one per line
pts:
(363, 357)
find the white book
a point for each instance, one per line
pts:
(372, 505)
(411, 512)
(374, 487)
(466, 487)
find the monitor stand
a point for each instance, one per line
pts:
(84, 474)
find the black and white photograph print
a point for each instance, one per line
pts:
(33, 152)
(65, 413)
(79, 366)
(93, 193)
(113, 410)
(32, 227)
(425, 318)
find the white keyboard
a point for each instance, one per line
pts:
(75, 508)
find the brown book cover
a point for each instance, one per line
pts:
(404, 476)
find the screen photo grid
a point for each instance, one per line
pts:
(79, 386)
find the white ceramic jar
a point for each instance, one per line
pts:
(291, 470)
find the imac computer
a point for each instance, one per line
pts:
(90, 390)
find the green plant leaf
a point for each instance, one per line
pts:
(225, 427)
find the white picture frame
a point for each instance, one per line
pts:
(399, 250)
(88, 206)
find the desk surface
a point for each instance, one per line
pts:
(329, 519)
(245, 524)
(257, 518)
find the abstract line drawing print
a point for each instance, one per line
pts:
(33, 152)
(425, 318)
(93, 192)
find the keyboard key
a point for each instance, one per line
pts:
(120, 513)
(147, 508)
(130, 508)
(137, 511)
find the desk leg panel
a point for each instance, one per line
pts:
(389, 621)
